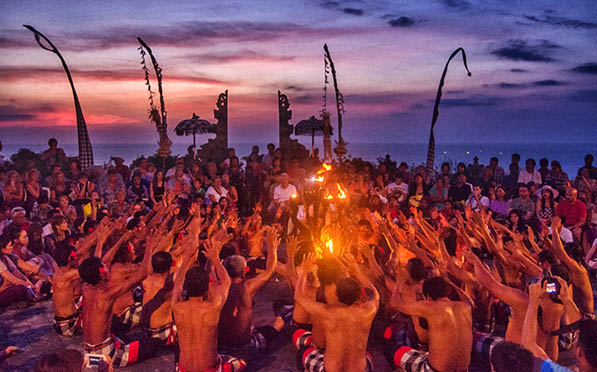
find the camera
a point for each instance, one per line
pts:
(96, 363)
(552, 286)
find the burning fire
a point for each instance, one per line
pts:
(341, 193)
(330, 246)
(293, 196)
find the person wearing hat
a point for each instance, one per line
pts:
(546, 204)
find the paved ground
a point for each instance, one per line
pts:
(31, 330)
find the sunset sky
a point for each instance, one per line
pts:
(534, 67)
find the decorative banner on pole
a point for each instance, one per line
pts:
(158, 117)
(85, 150)
(431, 148)
(340, 149)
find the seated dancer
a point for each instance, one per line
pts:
(450, 330)
(236, 325)
(197, 318)
(65, 284)
(100, 293)
(156, 316)
(346, 325)
(415, 333)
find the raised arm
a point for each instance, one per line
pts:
(529, 328)
(272, 241)
(301, 297)
(137, 277)
(511, 296)
(221, 287)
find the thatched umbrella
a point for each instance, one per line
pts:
(310, 127)
(194, 126)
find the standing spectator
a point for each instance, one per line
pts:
(514, 167)
(573, 213)
(54, 155)
(529, 174)
(544, 168)
(122, 169)
(474, 170)
(557, 178)
(498, 172)
(589, 165)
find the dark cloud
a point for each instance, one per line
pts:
(294, 88)
(562, 22)
(353, 11)
(330, 4)
(11, 113)
(456, 4)
(540, 83)
(504, 85)
(548, 83)
(306, 98)
(583, 96)
(401, 22)
(183, 34)
(236, 56)
(518, 70)
(587, 68)
(473, 101)
(523, 50)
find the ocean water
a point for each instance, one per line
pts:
(570, 155)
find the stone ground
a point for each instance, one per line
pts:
(31, 330)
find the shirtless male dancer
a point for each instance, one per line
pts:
(99, 295)
(156, 316)
(236, 325)
(65, 284)
(450, 330)
(352, 316)
(197, 318)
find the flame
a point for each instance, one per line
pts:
(293, 196)
(330, 246)
(324, 168)
(341, 193)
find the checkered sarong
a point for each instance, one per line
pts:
(312, 357)
(131, 316)
(404, 335)
(68, 326)
(483, 343)
(121, 354)
(166, 333)
(226, 363)
(407, 359)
